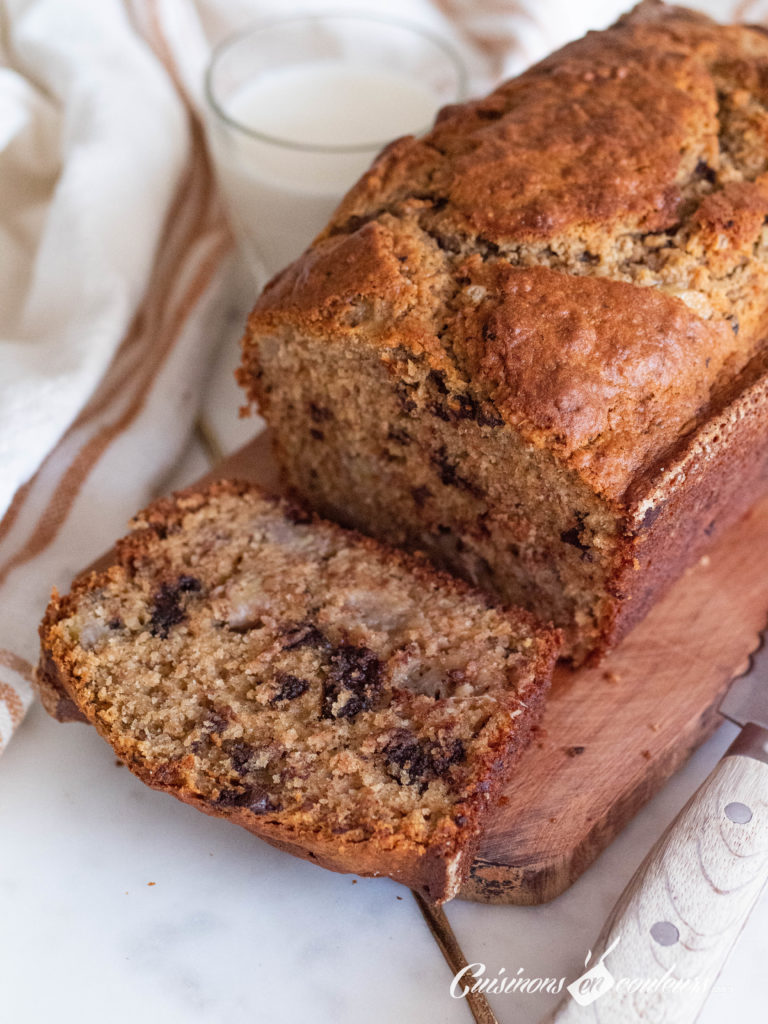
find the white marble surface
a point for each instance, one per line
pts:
(234, 930)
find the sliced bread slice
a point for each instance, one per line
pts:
(338, 698)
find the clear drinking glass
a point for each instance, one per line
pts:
(299, 107)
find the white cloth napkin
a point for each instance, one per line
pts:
(111, 244)
(93, 143)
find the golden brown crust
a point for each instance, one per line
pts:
(602, 168)
(566, 359)
(623, 116)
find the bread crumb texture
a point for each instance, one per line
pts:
(313, 685)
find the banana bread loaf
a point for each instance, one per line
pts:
(343, 701)
(530, 342)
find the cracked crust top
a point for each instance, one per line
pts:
(534, 222)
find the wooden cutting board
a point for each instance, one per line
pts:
(611, 735)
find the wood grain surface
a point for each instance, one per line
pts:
(612, 735)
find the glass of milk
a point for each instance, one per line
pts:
(298, 109)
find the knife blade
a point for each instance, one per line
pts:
(667, 938)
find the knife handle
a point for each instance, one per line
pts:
(686, 904)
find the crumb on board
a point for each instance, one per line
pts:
(646, 754)
(610, 676)
(574, 751)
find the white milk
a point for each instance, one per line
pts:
(280, 198)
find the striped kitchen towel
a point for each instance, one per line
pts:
(110, 284)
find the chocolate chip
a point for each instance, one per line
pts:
(253, 798)
(116, 623)
(573, 536)
(484, 416)
(448, 243)
(168, 610)
(416, 762)
(489, 248)
(398, 436)
(319, 413)
(448, 473)
(403, 391)
(437, 378)
(420, 495)
(446, 469)
(215, 721)
(438, 410)
(318, 435)
(451, 407)
(703, 170)
(239, 753)
(186, 584)
(353, 682)
(464, 407)
(296, 513)
(303, 634)
(291, 687)
(407, 755)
